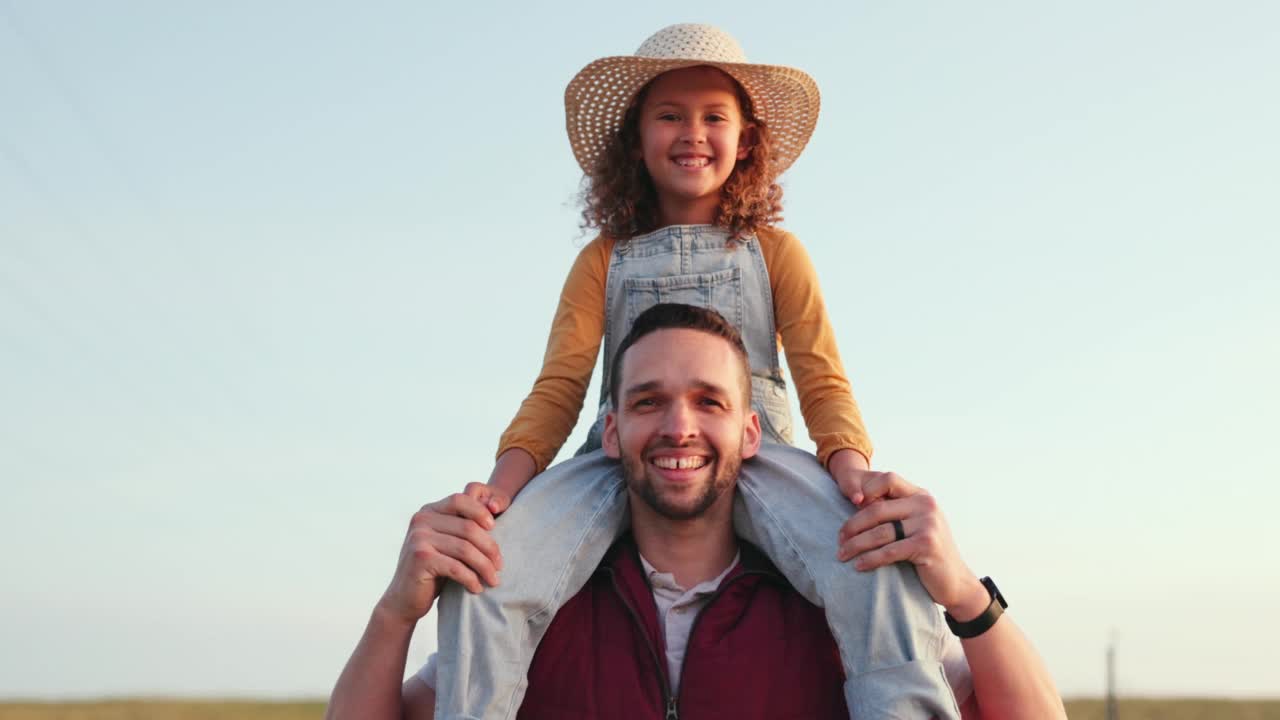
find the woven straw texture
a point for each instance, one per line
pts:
(785, 98)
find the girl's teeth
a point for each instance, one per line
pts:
(692, 162)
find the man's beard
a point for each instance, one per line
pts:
(637, 474)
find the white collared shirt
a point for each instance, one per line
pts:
(677, 609)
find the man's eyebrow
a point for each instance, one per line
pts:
(710, 387)
(643, 387)
(651, 385)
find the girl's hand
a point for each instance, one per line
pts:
(850, 469)
(495, 500)
(514, 469)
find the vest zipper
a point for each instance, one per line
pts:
(694, 625)
(673, 700)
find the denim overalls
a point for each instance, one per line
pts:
(556, 532)
(698, 265)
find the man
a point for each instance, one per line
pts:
(737, 640)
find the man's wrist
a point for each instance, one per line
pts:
(972, 602)
(387, 617)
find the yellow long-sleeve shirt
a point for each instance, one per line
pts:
(547, 415)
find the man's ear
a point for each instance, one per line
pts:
(610, 440)
(751, 435)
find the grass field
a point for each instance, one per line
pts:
(1178, 710)
(218, 710)
(162, 710)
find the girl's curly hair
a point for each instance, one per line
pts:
(619, 198)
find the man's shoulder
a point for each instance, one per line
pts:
(754, 560)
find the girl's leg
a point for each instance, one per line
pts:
(552, 538)
(889, 631)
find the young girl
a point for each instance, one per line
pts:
(682, 144)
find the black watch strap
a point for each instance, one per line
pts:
(983, 622)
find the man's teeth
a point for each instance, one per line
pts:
(684, 463)
(693, 162)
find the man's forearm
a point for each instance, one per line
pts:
(369, 687)
(1009, 678)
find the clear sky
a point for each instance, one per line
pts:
(274, 274)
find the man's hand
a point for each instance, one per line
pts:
(447, 540)
(869, 536)
(1010, 680)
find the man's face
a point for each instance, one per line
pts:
(682, 426)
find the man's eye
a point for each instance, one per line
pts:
(712, 402)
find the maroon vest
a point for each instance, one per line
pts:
(757, 650)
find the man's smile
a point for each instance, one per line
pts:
(686, 462)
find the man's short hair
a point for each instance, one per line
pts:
(678, 316)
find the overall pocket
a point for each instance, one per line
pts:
(720, 291)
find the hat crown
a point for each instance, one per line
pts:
(691, 41)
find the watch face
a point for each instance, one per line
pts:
(995, 592)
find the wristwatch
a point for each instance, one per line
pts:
(983, 622)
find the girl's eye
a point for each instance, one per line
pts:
(668, 116)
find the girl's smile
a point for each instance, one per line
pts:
(691, 137)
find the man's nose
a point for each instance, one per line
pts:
(679, 422)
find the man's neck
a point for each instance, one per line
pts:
(694, 550)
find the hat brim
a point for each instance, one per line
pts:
(784, 98)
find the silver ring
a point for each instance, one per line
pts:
(898, 532)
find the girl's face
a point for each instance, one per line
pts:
(691, 136)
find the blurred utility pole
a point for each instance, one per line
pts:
(1112, 713)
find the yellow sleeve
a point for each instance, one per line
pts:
(548, 414)
(826, 400)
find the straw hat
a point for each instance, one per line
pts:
(785, 98)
